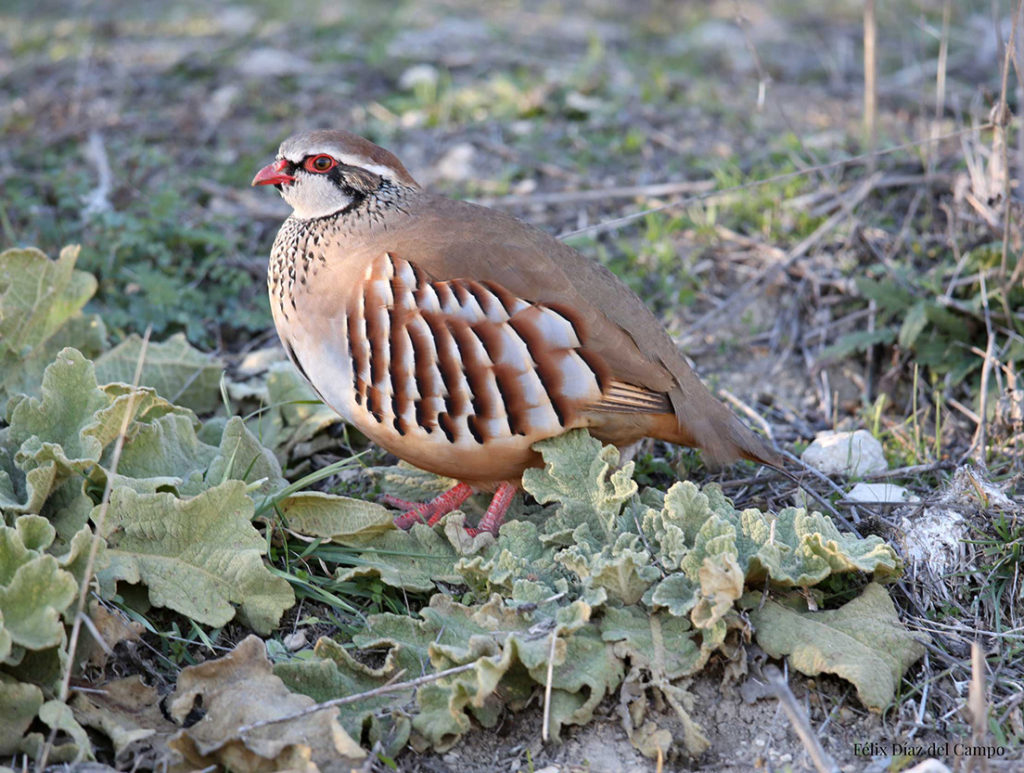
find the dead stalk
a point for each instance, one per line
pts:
(801, 724)
(547, 686)
(94, 546)
(870, 74)
(399, 687)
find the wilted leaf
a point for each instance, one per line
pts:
(863, 642)
(128, 712)
(721, 584)
(240, 689)
(113, 626)
(336, 674)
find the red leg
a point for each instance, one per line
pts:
(431, 512)
(496, 510)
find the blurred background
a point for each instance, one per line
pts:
(791, 261)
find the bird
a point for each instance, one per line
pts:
(457, 336)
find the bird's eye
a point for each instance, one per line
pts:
(322, 163)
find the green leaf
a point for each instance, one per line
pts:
(177, 371)
(59, 717)
(198, 556)
(581, 477)
(34, 590)
(337, 674)
(677, 593)
(24, 492)
(516, 554)
(859, 341)
(86, 333)
(623, 570)
(164, 453)
(913, 323)
(341, 519)
(38, 297)
(802, 549)
(863, 642)
(19, 704)
(294, 412)
(242, 457)
(888, 294)
(413, 560)
(61, 425)
(665, 646)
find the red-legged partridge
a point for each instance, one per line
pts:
(456, 336)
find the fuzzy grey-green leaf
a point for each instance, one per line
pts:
(198, 556)
(863, 641)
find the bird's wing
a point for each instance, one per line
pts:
(456, 240)
(473, 359)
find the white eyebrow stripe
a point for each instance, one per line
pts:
(361, 163)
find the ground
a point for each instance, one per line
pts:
(786, 262)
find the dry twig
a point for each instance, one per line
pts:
(798, 718)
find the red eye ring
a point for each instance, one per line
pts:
(320, 163)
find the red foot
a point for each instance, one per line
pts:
(495, 514)
(431, 512)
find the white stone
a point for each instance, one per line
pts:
(881, 492)
(296, 641)
(418, 74)
(846, 453)
(582, 103)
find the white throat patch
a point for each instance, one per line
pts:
(312, 196)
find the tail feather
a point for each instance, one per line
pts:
(719, 434)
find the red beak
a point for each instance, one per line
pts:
(273, 174)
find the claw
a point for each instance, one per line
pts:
(397, 502)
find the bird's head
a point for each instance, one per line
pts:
(322, 173)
